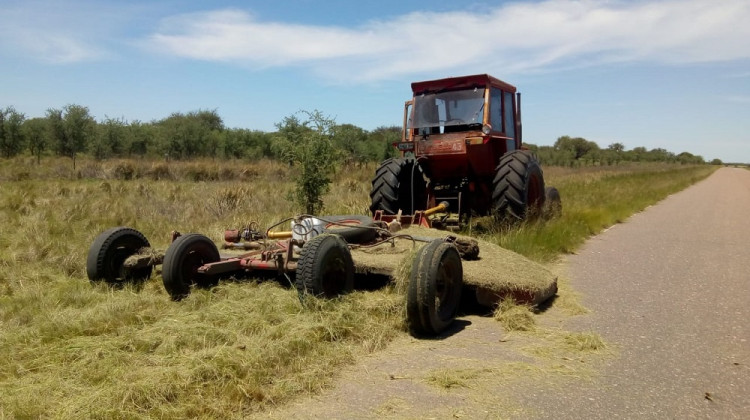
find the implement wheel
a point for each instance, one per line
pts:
(399, 184)
(518, 187)
(325, 267)
(181, 262)
(434, 291)
(109, 251)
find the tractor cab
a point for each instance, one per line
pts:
(476, 116)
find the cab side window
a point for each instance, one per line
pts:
(496, 109)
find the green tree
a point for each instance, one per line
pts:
(578, 147)
(190, 135)
(243, 143)
(35, 130)
(71, 129)
(616, 147)
(661, 155)
(352, 141)
(11, 136)
(309, 144)
(384, 137)
(140, 138)
(689, 158)
(111, 139)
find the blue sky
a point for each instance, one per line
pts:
(671, 74)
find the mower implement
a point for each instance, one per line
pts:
(315, 255)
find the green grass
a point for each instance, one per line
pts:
(71, 350)
(594, 199)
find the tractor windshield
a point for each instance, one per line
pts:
(433, 112)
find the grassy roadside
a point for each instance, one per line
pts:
(72, 350)
(594, 199)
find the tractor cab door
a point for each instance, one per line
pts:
(503, 119)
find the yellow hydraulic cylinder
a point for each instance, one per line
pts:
(442, 207)
(280, 235)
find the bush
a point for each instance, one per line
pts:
(309, 145)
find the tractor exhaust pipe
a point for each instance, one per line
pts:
(519, 129)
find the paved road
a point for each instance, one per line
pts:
(671, 289)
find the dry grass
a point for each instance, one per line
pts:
(71, 350)
(584, 341)
(514, 317)
(454, 378)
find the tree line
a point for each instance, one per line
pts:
(72, 130)
(577, 151)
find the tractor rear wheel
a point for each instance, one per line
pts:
(518, 187)
(325, 267)
(399, 184)
(434, 291)
(181, 262)
(109, 251)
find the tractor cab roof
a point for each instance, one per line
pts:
(461, 82)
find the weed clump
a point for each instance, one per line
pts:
(584, 341)
(514, 316)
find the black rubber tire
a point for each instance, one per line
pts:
(393, 184)
(552, 203)
(325, 267)
(518, 187)
(433, 295)
(358, 229)
(181, 262)
(109, 250)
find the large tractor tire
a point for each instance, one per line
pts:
(325, 267)
(518, 187)
(434, 291)
(109, 251)
(399, 184)
(181, 262)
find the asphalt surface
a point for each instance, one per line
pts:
(670, 289)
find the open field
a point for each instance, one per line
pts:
(72, 349)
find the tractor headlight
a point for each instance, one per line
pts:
(486, 129)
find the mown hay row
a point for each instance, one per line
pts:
(497, 272)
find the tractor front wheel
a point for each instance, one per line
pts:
(109, 251)
(518, 187)
(181, 262)
(325, 267)
(399, 184)
(434, 291)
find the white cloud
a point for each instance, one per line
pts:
(513, 37)
(60, 32)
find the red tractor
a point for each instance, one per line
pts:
(461, 144)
